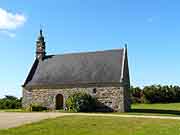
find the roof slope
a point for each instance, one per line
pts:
(77, 68)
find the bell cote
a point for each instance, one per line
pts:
(40, 47)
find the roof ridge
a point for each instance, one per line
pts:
(88, 52)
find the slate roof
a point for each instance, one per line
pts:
(77, 68)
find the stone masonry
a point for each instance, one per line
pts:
(109, 97)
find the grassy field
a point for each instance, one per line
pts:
(88, 125)
(170, 109)
(169, 106)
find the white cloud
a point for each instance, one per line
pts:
(10, 21)
(8, 33)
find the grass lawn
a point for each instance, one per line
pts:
(156, 109)
(88, 125)
(168, 106)
(11, 110)
(93, 125)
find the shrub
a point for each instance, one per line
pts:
(37, 108)
(81, 102)
(136, 94)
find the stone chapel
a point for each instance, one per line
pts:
(102, 74)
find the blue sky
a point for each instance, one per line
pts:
(150, 28)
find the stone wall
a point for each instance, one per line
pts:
(109, 98)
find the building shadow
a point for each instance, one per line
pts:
(101, 107)
(156, 111)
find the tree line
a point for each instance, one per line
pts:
(155, 94)
(10, 102)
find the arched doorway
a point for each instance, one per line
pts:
(59, 101)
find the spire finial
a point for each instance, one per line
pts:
(41, 37)
(41, 32)
(125, 45)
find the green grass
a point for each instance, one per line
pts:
(168, 106)
(11, 110)
(93, 125)
(172, 109)
(88, 125)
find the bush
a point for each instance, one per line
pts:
(81, 102)
(37, 108)
(136, 94)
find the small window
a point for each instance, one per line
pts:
(94, 90)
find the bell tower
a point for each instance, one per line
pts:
(40, 47)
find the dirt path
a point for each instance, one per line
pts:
(9, 120)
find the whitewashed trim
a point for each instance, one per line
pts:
(123, 62)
